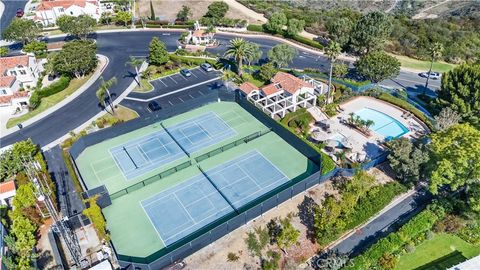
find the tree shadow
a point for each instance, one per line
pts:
(44, 259)
(306, 213)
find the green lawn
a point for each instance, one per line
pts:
(48, 102)
(441, 252)
(145, 86)
(420, 65)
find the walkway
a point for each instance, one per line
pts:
(388, 221)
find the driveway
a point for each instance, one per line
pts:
(384, 224)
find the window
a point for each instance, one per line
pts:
(13, 72)
(61, 10)
(4, 92)
(71, 12)
(23, 72)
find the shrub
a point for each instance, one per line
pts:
(308, 42)
(232, 257)
(255, 27)
(55, 87)
(34, 100)
(429, 235)
(450, 224)
(409, 248)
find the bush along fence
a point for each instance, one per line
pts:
(395, 243)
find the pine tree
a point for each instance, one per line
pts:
(158, 53)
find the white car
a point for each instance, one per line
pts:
(433, 75)
(207, 67)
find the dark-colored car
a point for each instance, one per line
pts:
(185, 72)
(153, 106)
(20, 12)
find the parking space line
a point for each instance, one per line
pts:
(191, 96)
(163, 83)
(173, 79)
(184, 77)
(194, 74)
(201, 93)
(171, 104)
(181, 99)
(202, 71)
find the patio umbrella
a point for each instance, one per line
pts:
(349, 142)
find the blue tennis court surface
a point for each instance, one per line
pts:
(185, 208)
(200, 132)
(246, 178)
(142, 155)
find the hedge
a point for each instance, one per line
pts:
(255, 27)
(194, 61)
(375, 200)
(417, 226)
(306, 41)
(52, 89)
(406, 106)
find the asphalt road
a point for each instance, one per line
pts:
(384, 224)
(10, 12)
(118, 47)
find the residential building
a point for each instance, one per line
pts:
(7, 192)
(199, 36)
(285, 93)
(10, 96)
(47, 12)
(25, 68)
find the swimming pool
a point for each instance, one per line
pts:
(383, 124)
(339, 138)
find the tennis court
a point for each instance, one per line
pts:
(142, 155)
(246, 178)
(185, 208)
(201, 132)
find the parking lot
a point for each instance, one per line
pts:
(177, 81)
(175, 89)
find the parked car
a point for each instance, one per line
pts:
(153, 106)
(20, 12)
(433, 75)
(185, 72)
(207, 67)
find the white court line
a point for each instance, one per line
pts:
(188, 212)
(151, 222)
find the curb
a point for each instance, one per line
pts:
(67, 100)
(101, 113)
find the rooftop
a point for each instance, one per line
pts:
(7, 187)
(7, 81)
(7, 63)
(47, 5)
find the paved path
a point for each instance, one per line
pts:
(69, 201)
(383, 224)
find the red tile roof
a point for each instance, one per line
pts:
(247, 87)
(11, 62)
(8, 99)
(7, 81)
(289, 82)
(199, 33)
(270, 89)
(48, 5)
(7, 186)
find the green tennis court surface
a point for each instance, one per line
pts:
(145, 220)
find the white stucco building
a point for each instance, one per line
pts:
(7, 192)
(18, 74)
(47, 12)
(285, 93)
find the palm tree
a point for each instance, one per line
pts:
(103, 92)
(368, 124)
(332, 51)
(240, 51)
(435, 52)
(135, 63)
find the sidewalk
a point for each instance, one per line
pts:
(89, 121)
(103, 63)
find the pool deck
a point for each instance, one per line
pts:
(371, 146)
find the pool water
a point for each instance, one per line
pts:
(339, 138)
(383, 124)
